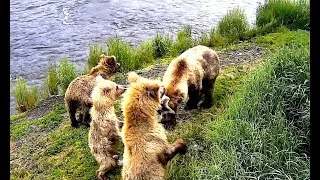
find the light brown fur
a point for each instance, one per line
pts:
(104, 133)
(78, 93)
(192, 74)
(146, 149)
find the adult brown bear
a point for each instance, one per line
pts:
(192, 74)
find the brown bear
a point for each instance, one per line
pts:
(146, 149)
(192, 74)
(104, 133)
(78, 93)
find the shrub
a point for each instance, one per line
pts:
(66, 73)
(161, 45)
(292, 14)
(52, 81)
(233, 25)
(94, 55)
(26, 98)
(123, 52)
(183, 42)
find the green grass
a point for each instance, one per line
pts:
(144, 54)
(183, 42)
(66, 73)
(274, 40)
(213, 39)
(233, 25)
(294, 14)
(94, 55)
(25, 97)
(52, 81)
(123, 52)
(161, 45)
(264, 131)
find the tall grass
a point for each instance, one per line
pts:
(183, 41)
(52, 81)
(94, 55)
(26, 97)
(294, 14)
(264, 132)
(66, 73)
(233, 25)
(123, 52)
(213, 39)
(144, 54)
(161, 45)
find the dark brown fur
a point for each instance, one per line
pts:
(78, 94)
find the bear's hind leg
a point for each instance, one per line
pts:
(72, 114)
(208, 87)
(107, 164)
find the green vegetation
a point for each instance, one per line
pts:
(161, 45)
(26, 97)
(94, 55)
(52, 81)
(123, 52)
(183, 42)
(233, 25)
(66, 73)
(294, 14)
(274, 40)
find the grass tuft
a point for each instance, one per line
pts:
(233, 25)
(94, 55)
(289, 13)
(25, 97)
(52, 81)
(183, 42)
(161, 45)
(66, 73)
(123, 52)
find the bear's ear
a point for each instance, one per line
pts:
(153, 92)
(133, 77)
(102, 56)
(99, 79)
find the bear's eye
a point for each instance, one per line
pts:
(117, 87)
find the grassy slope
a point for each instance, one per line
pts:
(63, 152)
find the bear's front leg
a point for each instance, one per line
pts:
(177, 147)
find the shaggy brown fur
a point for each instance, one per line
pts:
(78, 94)
(192, 74)
(104, 133)
(146, 149)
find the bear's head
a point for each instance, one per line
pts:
(106, 92)
(143, 97)
(172, 98)
(110, 63)
(107, 65)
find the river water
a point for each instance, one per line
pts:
(45, 31)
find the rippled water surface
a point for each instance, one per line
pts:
(44, 31)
